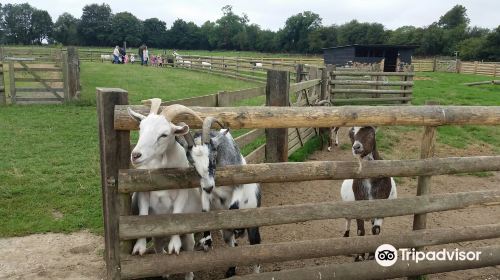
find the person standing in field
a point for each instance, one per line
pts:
(145, 56)
(116, 55)
(141, 53)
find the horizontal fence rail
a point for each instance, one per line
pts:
(371, 270)
(287, 117)
(132, 227)
(140, 180)
(151, 265)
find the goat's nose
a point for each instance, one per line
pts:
(136, 155)
(356, 146)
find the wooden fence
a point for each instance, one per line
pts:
(118, 181)
(358, 87)
(42, 77)
(456, 66)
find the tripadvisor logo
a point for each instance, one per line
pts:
(387, 255)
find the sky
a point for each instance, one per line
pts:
(272, 14)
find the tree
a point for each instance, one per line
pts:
(294, 36)
(228, 27)
(355, 32)
(323, 37)
(491, 46)
(95, 25)
(208, 40)
(17, 23)
(41, 26)
(455, 17)
(65, 30)
(154, 32)
(183, 35)
(405, 35)
(432, 40)
(125, 27)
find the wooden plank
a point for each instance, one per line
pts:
(372, 83)
(371, 270)
(115, 154)
(37, 69)
(277, 94)
(205, 100)
(37, 99)
(132, 180)
(304, 85)
(3, 96)
(161, 264)
(73, 73)
(65, 76)
(249, 137)
(373, 91)
(325, 116)
(58, 80)
(228, 98)
(372, 100)
(356, 73)
(26, 89)
(12, 82)
(132, 227)
(257, 156)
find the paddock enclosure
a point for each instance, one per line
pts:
(40, 75)
(277, 119)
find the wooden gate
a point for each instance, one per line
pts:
(51, 77)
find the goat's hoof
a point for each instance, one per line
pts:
(371, 256)
(359, 258)
(189, 276)
(139, 247)
(231, 272)
(175, 244)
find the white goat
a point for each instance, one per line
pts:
(206, 152)
(256, 65)
(180, 60)
(364, 148)
(106, 57)
(157, 148)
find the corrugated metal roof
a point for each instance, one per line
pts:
(375, 46)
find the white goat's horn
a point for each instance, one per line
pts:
(155, 104)
(172, 111)
(207, 124)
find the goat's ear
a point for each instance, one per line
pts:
(180, 130)
(136, 116)
(224, 131)
(218, 139)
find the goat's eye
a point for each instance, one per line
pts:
(163, 135)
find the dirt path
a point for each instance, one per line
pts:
(79, 255)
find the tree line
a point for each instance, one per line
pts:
(302, 33)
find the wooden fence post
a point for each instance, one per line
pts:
(115, 152)
(12, 82)
(424, 182)
(475, 67)
(65, 76)
(73, 73)
(277, 94)
(434, 64)
(299, 69)
(3, 98)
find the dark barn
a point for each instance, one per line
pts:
(344, 55)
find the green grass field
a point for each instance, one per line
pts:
(49, 174)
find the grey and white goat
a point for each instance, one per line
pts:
(158, 148)
(206, 152)
(364, 148)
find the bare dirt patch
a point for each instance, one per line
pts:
(79, 255)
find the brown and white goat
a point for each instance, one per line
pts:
(364, 148)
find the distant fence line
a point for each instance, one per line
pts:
(457, 66)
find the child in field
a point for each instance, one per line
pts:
(159, 60)
(132, 58)
(153, 60)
